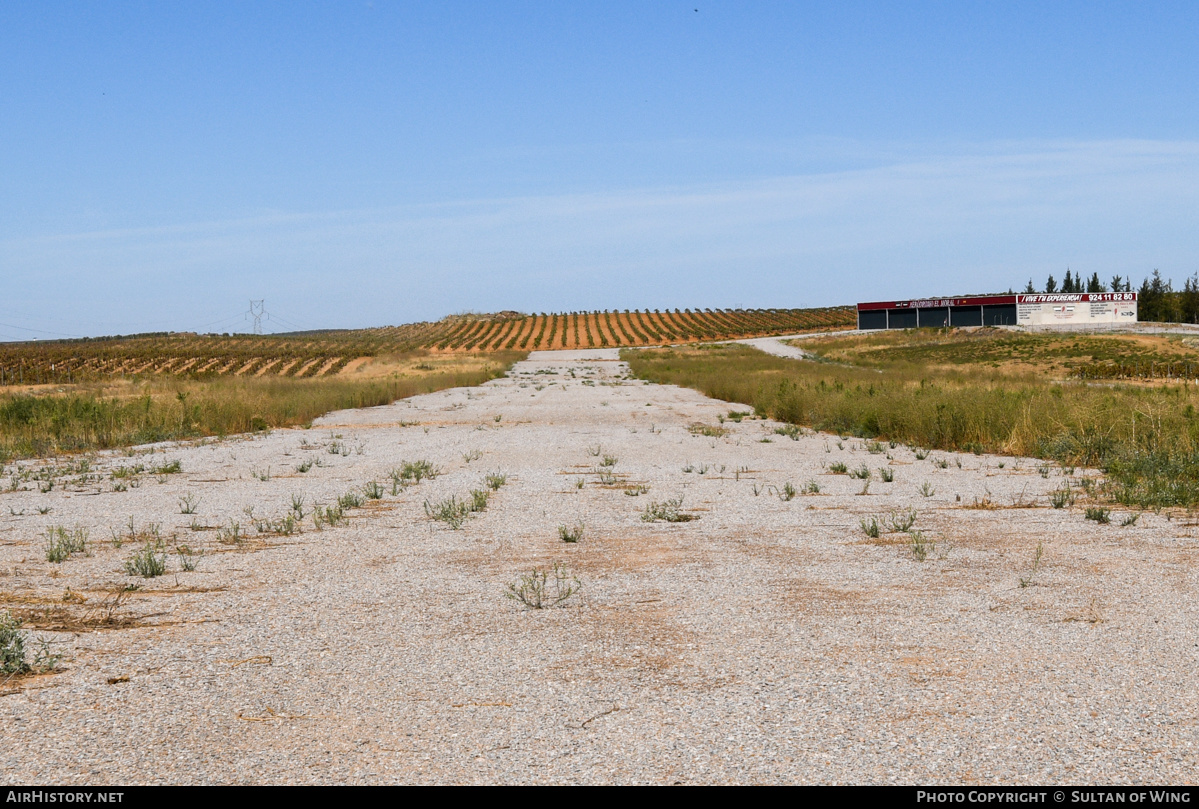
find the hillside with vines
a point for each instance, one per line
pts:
(327, 353)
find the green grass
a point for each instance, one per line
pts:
(1144, 438)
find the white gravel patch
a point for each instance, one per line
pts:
(767, 641)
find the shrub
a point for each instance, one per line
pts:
(920, 545)
(478, 500)
(902, 521)
(1100, 515)
(451, 511)
(1063, 497)
(534, 589)
(149, 562)
(13, 657)
(62, 543)
(571, 533)
(668, 511)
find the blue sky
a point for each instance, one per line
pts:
(360, 164)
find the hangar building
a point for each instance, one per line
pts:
(1057, 309)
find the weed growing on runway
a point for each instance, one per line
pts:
(537, 590)
(572, 533)
(13, 657)
(149, 562)
(63, 543)
(667, 511)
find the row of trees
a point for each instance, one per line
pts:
(1157, 299)
(1075, 283)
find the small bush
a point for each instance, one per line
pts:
(788, 492)
(1130, 520)
(478, 499)
(571, 533)
(231, 535)
(1061, 498)
(668, 511)
(495, 480)
(188, 558)
(451, 511)
(13, 657)
(790, 430)
(870, 527)
(416, 471)
(886, 474)
(188, 503)
(811, 487)
(149, 562)
(349, 500)
(63, 543)
(861, 473)
(373, 490)
(920, 545)
(838, 468)
(537, 590)
(900, 521)
(1100, 515)
(927, 490)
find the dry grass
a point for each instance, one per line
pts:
(1146, 439)
(124, 412)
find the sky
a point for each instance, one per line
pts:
(359, 164)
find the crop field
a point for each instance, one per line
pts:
(986, 391)
(329, 353)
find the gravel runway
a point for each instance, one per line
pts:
(768, 639)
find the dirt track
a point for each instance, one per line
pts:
(769, 640)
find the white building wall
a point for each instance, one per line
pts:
(1080, 309)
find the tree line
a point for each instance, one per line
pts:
(1157, 299)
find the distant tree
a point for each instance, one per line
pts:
(1030, 289)
(1050, 286)
(1190, 300)
(1068, 282)
(1117, 283)
(1152, 303)
(1095, 285)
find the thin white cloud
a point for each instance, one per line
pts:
(965, 219)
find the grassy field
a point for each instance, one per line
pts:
(119, 413)
(1061, 355)
(985, 391)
